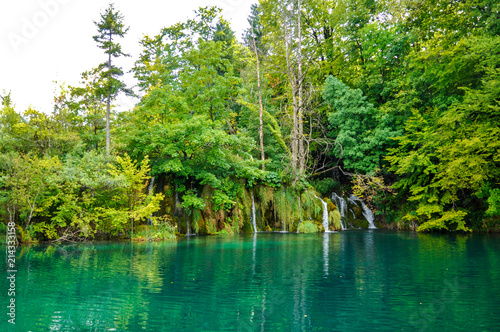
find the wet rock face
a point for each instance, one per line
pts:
(358, 212)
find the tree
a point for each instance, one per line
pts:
(109, 27)
(187, 121)
(361, 132)
(88, 108)
(296, 35)
(26, 179)
(129, 202)
(282, 22)
(252, 35)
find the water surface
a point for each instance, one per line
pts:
(369, 280)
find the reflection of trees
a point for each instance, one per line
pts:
(261, 282)
(97, 286)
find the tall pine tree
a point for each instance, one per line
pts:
(109, 28)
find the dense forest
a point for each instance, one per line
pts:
(396, 102)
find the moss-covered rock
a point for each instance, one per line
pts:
(358, 212)
(335, 220)
(247, 226)
(364, 224)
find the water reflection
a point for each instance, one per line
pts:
(254, 251)
(326, 249)
(355, 280)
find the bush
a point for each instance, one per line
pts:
(307, 226)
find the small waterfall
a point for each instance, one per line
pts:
(342, 204)
(325, 214)
(150, 191)
(367, 213)
(254, 219)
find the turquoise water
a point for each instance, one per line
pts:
(369, 280)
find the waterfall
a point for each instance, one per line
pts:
(325, 214)
(342, 204)
(150, 192)
(367, 213)
(254, 219)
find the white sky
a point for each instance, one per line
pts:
(42, 41)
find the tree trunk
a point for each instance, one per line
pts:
(261, 108)
(108, 105)
(300, 136)
(293, 83)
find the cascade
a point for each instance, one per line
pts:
(367, 213)
(342, 204)
(325, 214)
(254, 219)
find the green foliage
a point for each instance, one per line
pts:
(272, 179)
(286, 206)
(186, 121)
(426, 72)
(494, 203)
(307, 226)
(75, 198)
(335, 219)
(361, 133)
(447, 152)
(448, 218)
(26, 183)
(325, 186)
(191, 201)
(310, 205)
(129, 203)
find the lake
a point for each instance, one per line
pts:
(357, 280)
